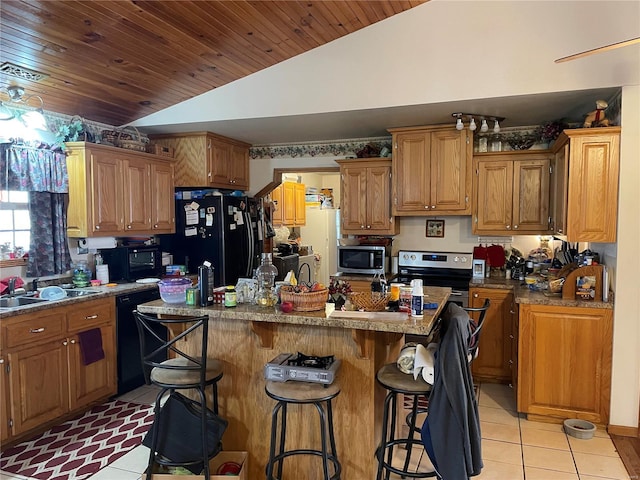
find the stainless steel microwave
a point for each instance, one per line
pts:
(364, 259)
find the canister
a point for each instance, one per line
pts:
(230, 296)
(395, 292)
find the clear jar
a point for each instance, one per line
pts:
(266, 275)
(230, 296)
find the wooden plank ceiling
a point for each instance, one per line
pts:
(117, 61)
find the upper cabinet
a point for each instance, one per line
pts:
(585, 199)
(114, 191)
(431, 171)
(511, 193)
(205, 159)
(366, 197)
(290, 208)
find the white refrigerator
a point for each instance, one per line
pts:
(321, 233)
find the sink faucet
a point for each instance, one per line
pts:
(34, 284)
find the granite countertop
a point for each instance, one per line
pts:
(100, 292)
(524, 295)
(376, 321)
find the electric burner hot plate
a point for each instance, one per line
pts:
(302, 368)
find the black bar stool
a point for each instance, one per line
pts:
(398, 383)
(192, 370)
(293, 392)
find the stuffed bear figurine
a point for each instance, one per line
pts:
(597, 117)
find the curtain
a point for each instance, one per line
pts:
(42, 173)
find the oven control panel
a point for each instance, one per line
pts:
(412, 258)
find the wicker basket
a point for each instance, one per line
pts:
(370, 301)
(139, 145)
(304, 302)
(111, 137)
(161, 150)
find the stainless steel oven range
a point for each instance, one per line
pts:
(438, 269)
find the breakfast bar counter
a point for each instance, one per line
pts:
(247, 337)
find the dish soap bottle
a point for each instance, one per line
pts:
(266, 274)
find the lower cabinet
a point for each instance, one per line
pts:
(494, 360)
(46, 378)
(565, 362)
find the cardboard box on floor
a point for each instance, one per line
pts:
(214, 464)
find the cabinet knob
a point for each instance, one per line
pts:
(508, 227)
(475, 295)
(511, 337)
(515, 227)
(73, 342)
(1, 361)
(559, 230)
(36, 330)
(155, 226)
(426, 207)
(97, 227)
(65, 343)
(368, 226)
(129, 227)
(433, 207)
(510, 362)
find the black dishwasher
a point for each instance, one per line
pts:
(130, 374)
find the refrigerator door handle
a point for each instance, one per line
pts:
(250, 240)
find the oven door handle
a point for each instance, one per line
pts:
(456, 293)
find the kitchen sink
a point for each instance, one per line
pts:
(10, 302)
(77, 292)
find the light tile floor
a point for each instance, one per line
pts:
(513, 448)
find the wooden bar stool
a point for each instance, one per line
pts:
(399, 383)
(319, 395)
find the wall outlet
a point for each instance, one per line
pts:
(82, 251)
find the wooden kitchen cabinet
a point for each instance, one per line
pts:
(586, 194)
(366, 197)
(494, 360)
(291, 209)
(431, 171)
(511, 193)
(46, 376)
(114, 191)
(564, 368)
(204, 159)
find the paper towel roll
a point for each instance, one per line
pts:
(98, 242)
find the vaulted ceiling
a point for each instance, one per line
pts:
(117, 61)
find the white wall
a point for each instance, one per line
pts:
(625, 388)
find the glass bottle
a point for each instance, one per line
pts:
(266, 274)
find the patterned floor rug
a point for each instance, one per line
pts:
(77, 449)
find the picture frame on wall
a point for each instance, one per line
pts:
(435, 228)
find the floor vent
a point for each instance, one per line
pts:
(21, 72)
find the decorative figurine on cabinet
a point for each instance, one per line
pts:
(597, 118)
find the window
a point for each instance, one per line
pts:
(15, 223)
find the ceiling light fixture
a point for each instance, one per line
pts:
(484, 127)
(33, 118)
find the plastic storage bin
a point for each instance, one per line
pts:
(174, 290)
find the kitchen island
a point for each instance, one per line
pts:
(246, 337)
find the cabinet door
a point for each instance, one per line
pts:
(559, 187)
(289, 201)
(564, 368)
(5, 400)
(221, 167)
(411, 173)
(137, 194)
(162, 201)
(449, 185)
(531, 196)
(378, 192)
(300, 207)
(106, 202)
(494, 350)
(39, 385)
(89, 383)
(354, 199)
(240, 163)
(494, 196)
(277, 217)
(593, 187)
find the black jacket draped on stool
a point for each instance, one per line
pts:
(451, 432)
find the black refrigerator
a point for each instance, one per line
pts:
(226, 230)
